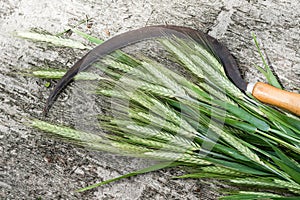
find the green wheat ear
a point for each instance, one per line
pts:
(170, 118)
(50, 39)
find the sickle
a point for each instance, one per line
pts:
(145, 33)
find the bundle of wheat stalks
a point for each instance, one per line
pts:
(201, 121)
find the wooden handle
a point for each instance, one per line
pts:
(277, 97)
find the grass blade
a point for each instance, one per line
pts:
(87, 36)
(138, 172)
(267, 72)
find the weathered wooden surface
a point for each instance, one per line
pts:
(34, 166)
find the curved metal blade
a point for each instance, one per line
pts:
(145, 33)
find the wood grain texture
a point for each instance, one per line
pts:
(280, 98)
